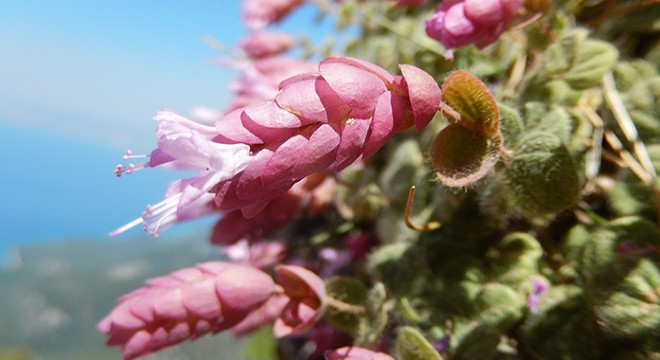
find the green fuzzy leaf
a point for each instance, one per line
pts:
(475, 341)
(398, 267)
(511, 125)
(404, 167)
(349, 291)
(542, 178)
(593, 59)
(581, 62)
(561, 92)
(562, 328)
(631, 307)
(460, 157)
(499, 305)
(411, 345)
(476, 107)
(572, 248)
(559, 56)
(555, 120)
(376, 314)
(630, 196)
(518, 260)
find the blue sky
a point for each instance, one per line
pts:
(79, 84)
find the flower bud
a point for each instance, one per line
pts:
(185, 304)
(306, 292)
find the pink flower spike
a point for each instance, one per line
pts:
(261, 44)
(321, 121)
(307, 300)
(356, 353)
(167, 312)
(257, 14)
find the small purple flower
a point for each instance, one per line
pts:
(442, 344)
(533, 299)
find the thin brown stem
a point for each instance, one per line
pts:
(409, 203)
(626, 124)
(344, 306)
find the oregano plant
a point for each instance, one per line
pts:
(445, 180)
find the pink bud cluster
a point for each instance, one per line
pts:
(186, 304)
(258, 14)
(266, 43)
(458, 23)
(318, 121)
(209, 298)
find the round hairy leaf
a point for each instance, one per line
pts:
(562, 326)
(460, 156)
(350, 292)
(632, 306)
(542, 176)
(411, 345)
(476, 340)
(593, 59)
(511, 125)
(518, 259)
(469, 98)
(499, 305)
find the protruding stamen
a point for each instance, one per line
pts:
(130, 168)
(154, 217)
(163, 206)
(160, 215)
(129, 155)
(130, 225)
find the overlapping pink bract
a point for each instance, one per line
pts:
(260, 77)
(185, 304)
(458, 23)
(356, 353)
(320, 121)
(213, 297)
